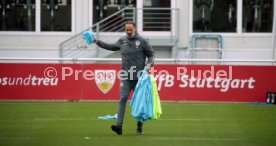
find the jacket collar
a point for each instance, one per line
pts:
(134, 37)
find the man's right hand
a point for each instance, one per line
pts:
(148, 66)
(96, 40)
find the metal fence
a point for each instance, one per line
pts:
(118, 60)
(154, 19)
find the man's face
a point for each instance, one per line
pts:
(130, 30)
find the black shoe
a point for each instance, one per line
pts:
(139, 131)
(139, 128)
(117, 129)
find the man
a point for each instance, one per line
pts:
(134, 51)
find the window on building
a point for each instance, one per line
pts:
(56, 15)
(17, 15)
(215, 16)
(105, 8)
(257, 16)
(156, 19)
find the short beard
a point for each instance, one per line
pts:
(132, 35)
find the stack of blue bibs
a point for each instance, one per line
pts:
(145, 102)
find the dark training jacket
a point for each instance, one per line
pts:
(134, 52)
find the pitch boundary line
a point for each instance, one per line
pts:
(94, 119)
(63, 119)
(20, 138)
(194, 120)
(196, 138)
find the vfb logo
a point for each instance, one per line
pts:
(105, 79)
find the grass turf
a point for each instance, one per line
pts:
(76, 124)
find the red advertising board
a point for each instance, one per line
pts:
(100, 82)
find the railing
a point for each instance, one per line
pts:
(116, 21)
(160, 19)
(76, 47)
(153, 19)
(207, 46)
(175, 60)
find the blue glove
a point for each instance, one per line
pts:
(88, 36)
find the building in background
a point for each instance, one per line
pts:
(35, 28)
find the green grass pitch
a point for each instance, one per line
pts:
(189, 124)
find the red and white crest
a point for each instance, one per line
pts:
(137, 44)
(105, 79)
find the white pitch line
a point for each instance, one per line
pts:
(196, 138)
(92, 119)
(20, 138)
(63, 119)
(193, 120)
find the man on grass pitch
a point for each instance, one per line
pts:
(134, 51)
